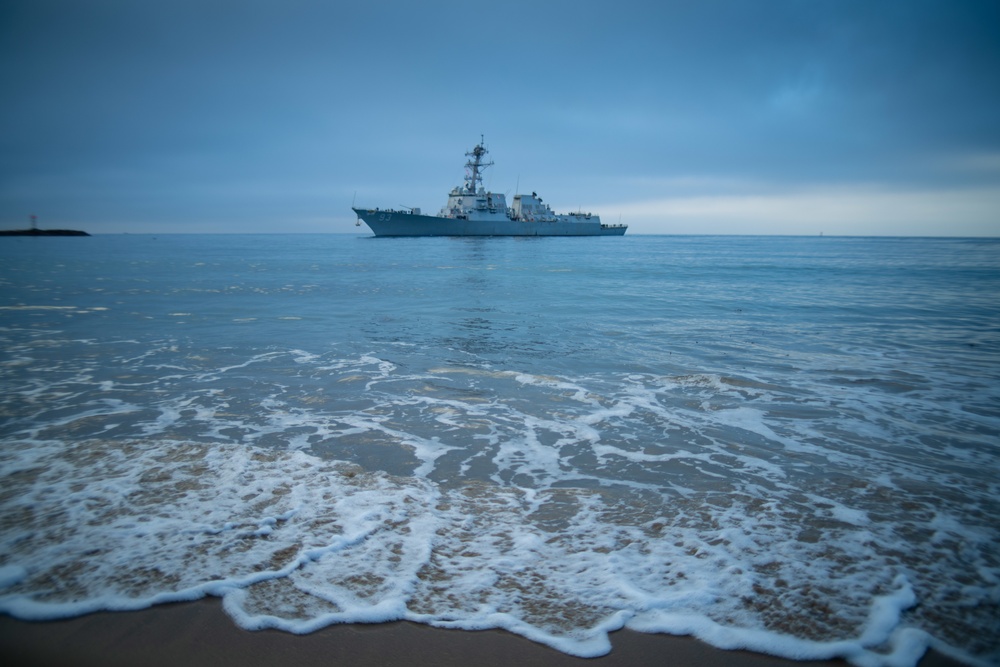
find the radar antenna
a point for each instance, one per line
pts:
(473, 177)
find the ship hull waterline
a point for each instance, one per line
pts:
(396, 223)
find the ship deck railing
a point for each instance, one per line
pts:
(387, 210)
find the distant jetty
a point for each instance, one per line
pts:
(42, 232)
(35, 231)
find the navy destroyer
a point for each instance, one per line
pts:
(472, 211)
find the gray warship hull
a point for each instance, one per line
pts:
(401, 223)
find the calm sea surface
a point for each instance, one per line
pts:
(786, 444)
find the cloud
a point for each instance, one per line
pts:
(987, 163)
(845, 210)
(154, 112)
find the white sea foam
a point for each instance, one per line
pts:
(296, 543)
(11, 574)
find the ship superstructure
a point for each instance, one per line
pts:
(472, 211)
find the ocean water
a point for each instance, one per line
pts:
(783, 444)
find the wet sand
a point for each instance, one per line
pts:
(199, 633)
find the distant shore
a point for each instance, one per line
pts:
(42, 232)
(199, 633)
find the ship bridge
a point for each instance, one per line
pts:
(471, 201)
(482, 205)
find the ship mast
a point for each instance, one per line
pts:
(474, 165)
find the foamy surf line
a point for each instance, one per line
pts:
(200, 633)
(299, 535)
(310, 489)
(293, 542)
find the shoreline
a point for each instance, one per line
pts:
(200, 633)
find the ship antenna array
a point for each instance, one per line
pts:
(475, 165)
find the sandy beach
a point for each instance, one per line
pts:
(200, 633)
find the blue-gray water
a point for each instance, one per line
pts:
(787, 444)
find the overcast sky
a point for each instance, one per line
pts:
(719, 117)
